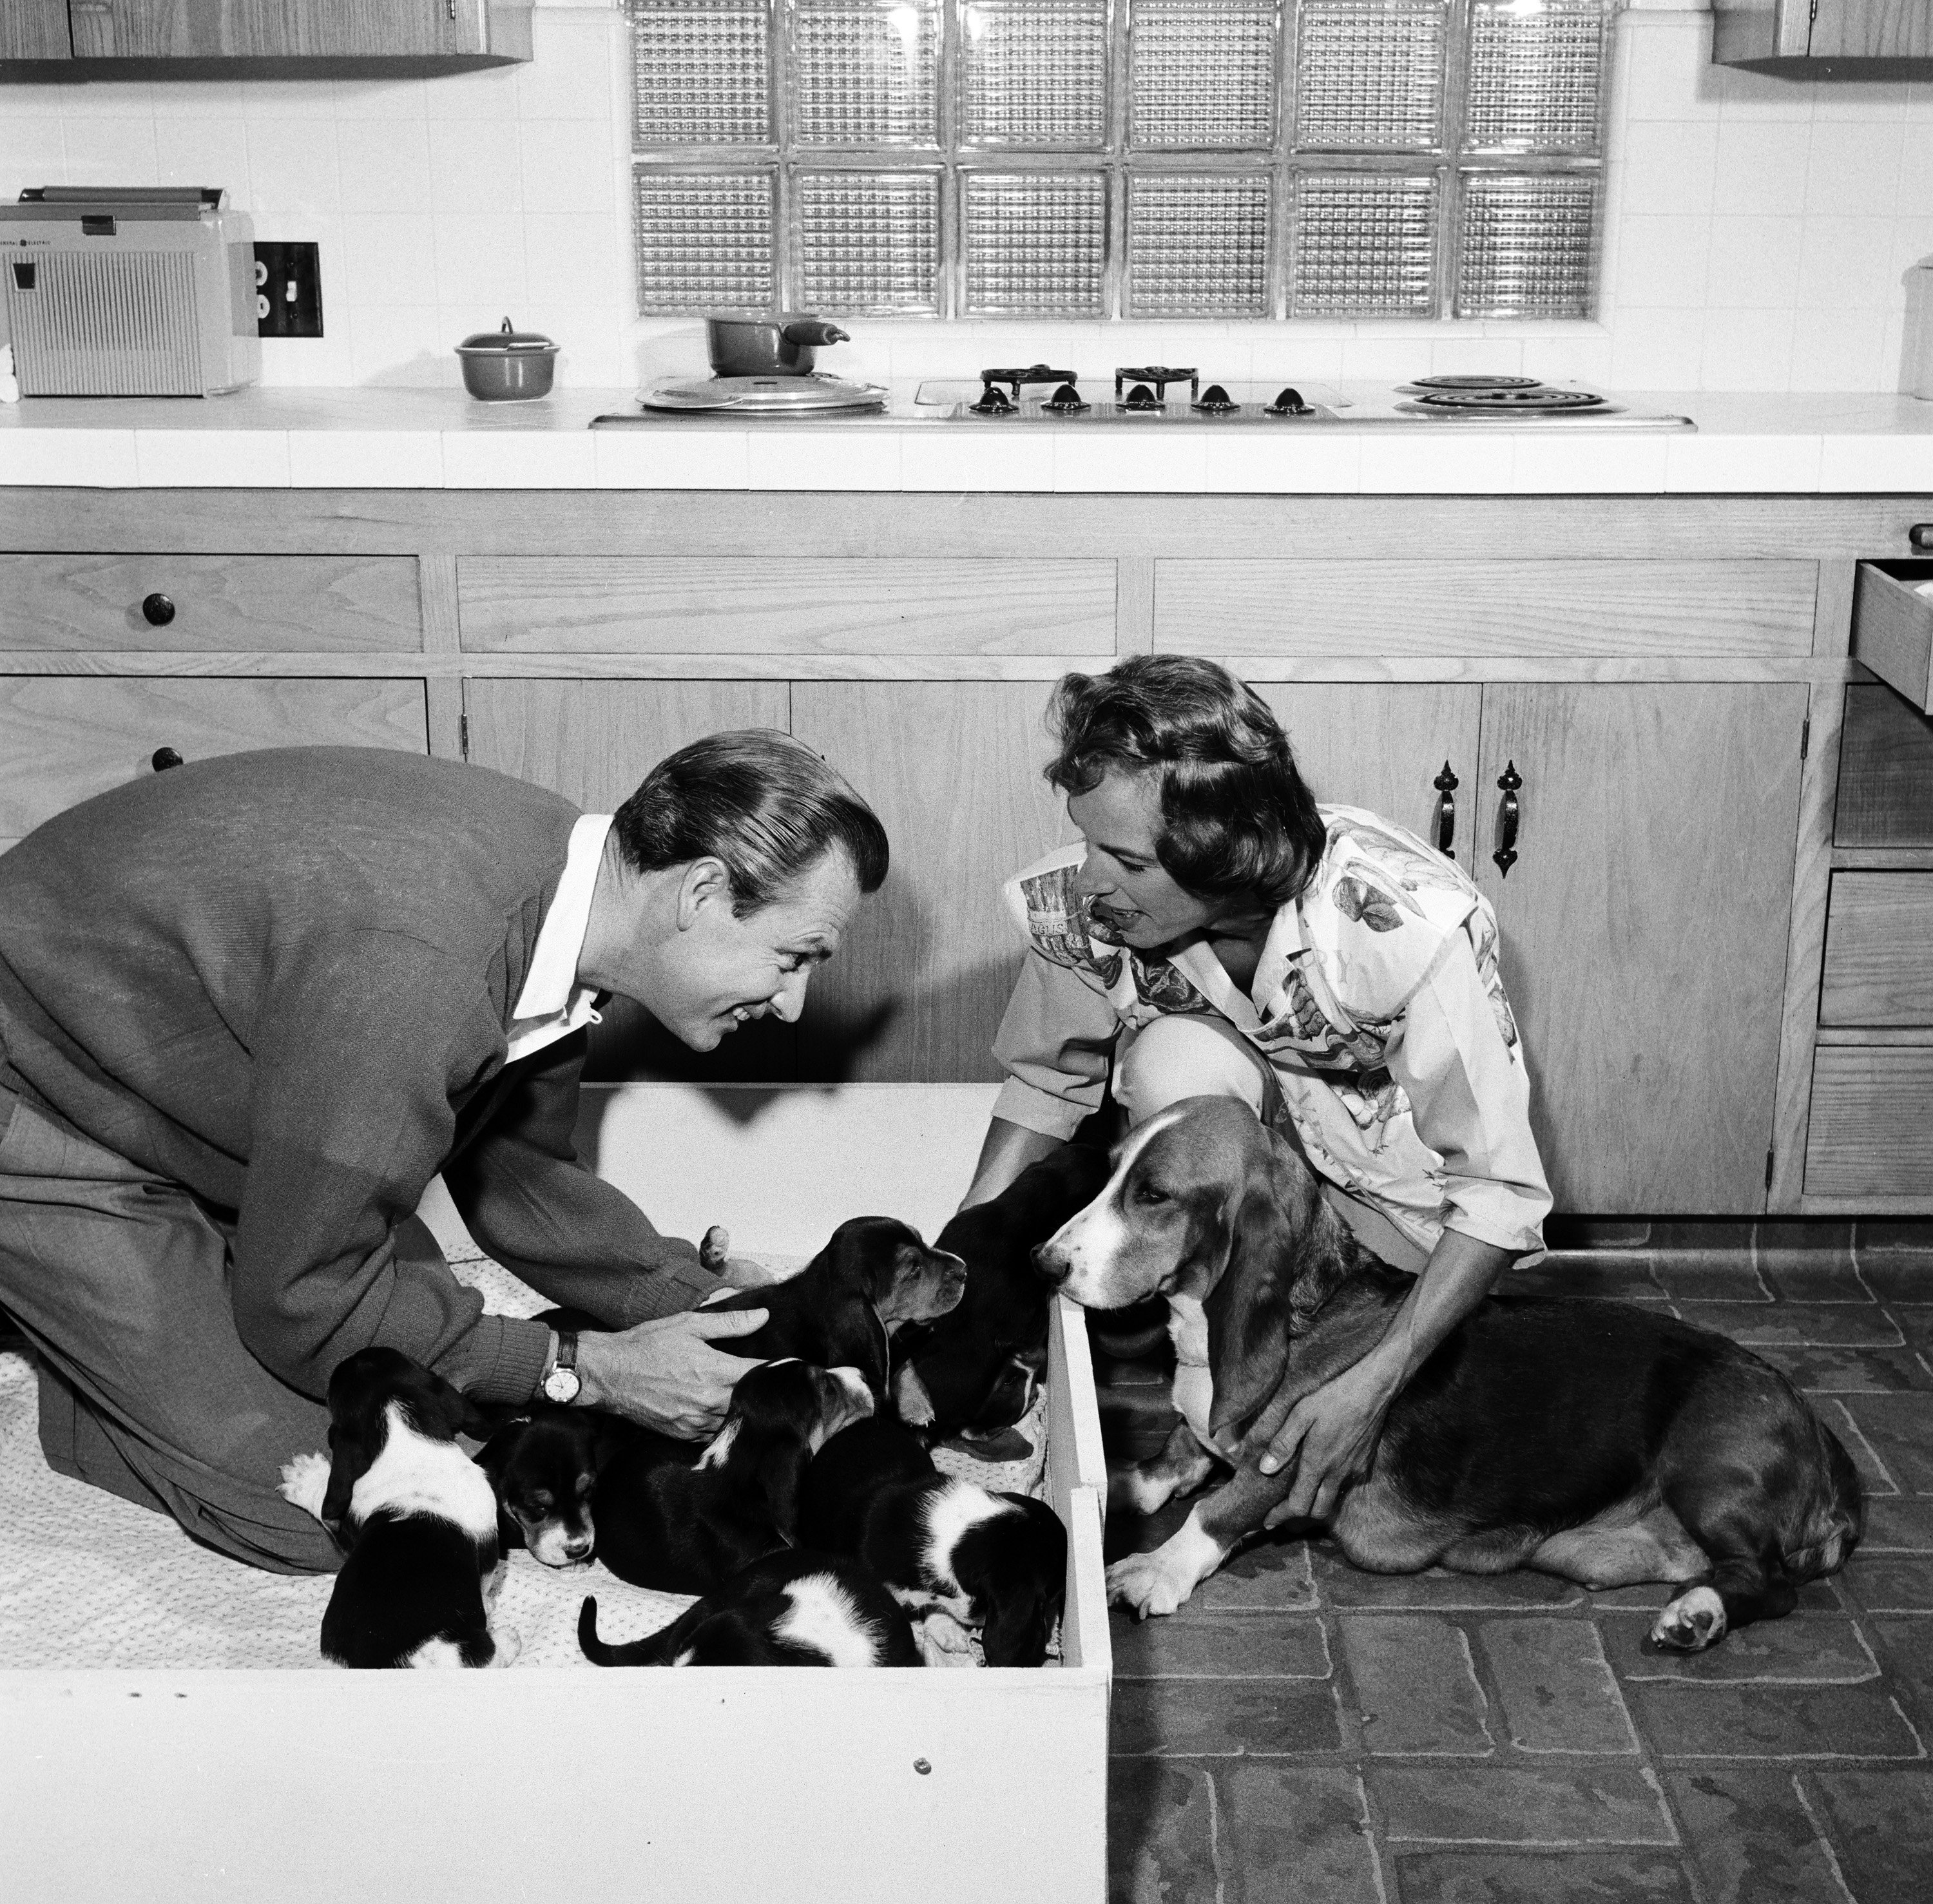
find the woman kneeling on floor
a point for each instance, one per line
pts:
(1218, 932)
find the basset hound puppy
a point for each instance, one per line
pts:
(1592, 1439)
(841, 1309)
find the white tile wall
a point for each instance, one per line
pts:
(1756, 229)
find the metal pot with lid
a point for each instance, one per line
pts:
(768, 346)
(507, 366)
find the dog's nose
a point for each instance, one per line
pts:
(577, 1549)
(1048, 1264)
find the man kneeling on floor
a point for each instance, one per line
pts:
(249, 1008)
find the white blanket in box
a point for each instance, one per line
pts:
(88, 1580)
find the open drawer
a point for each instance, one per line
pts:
(707, 1786)
(1892, 628)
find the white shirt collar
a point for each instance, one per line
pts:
(552, 1003)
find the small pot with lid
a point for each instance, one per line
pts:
(768, 346)
(507, 366)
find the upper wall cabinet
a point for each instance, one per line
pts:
(201, 38)
(34, 29)
(1827, 39)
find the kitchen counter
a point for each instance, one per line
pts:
(1745, 443)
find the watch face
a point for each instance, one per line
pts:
(561, 1385)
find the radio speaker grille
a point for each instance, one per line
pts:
(110, 324)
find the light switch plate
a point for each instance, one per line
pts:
(288, 289)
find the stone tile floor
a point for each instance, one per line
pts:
(1303, 1731)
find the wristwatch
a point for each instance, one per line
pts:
(561, 1382)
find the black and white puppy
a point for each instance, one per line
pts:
(995, 1561)
(416, 1515)
(841, 1310)
(684, 1525)
(543, 1465)
(976, 1368)
(794, 1609)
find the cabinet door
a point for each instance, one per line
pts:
(63, 740)
(34, 29)
(593, 742)
(1870, 29)
(953, 770)
(1383, 747)
(1644, 925)
(268, 29)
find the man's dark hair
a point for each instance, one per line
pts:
(763, 803)
(1237, 818)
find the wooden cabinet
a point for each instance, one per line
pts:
(172, 602)
(34, 29)
(797, 603)
(1643, 927)
(953, 770)
(316, 36)
(62, 740)
(1870, 29)
(1647, 666)
(1825, 39)
(1384, 746)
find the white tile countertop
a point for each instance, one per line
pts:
(425, 439)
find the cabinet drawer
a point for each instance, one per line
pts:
(1892, 628)
(63, 740)
(1879, 950)
(784, 605)
(1871, 1132)
(287, 604)
(1336, 609)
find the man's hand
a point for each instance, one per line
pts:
(1330, 1438)
(666, 1373)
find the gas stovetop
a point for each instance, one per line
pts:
(1148, 395)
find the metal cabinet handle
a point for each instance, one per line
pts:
(1510, 779)
(1446, 784)
(1921, 537)
(159, 610)
(163, 758)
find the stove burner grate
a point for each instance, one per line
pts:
(1474, 380)
(1492, 399)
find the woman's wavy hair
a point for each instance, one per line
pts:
(1237, 818)
(762, 803)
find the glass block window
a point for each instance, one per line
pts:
(1120, 158)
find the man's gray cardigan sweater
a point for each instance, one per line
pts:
(284, 979)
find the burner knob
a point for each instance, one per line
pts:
(1141, 398)
(994, 401)
(1067, 400)
(1215, 401)
(1289, 403)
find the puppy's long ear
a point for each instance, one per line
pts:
(349, 1459)
(1250, 1310)
(779, 1473)
(1016, 1628)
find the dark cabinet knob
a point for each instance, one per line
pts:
(1446, 784)
(159, 610)
(1921, 537)
(164, 757)
(1508, 813)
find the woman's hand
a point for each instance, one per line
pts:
(1329, 1438)
(666, 1373)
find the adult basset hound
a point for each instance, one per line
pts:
(1590, 1440)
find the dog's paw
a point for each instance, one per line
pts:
(1693, 1621)
(304, 1482)
(1147, 1586)
(914, 1406)
(1138, 1491)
